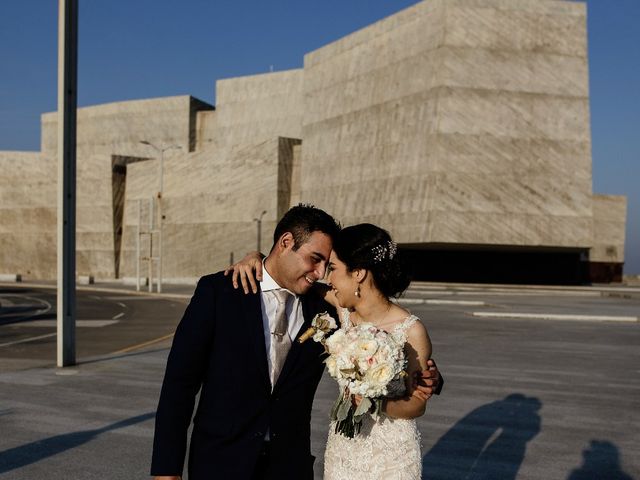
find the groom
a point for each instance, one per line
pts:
(256, 382)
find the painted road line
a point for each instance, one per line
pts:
(435, 301)
(556, 316)
(143, 344)
(30, 339)
(53, 323)
(430, 292)
(5, 302)
(523, 293)
(505, 293)
(129, 297)
(120, 315)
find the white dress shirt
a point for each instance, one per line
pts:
(269, 304)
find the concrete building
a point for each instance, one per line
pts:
(462, 126)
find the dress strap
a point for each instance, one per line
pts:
(346, 321)
(406, 324)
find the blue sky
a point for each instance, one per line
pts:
(132, 49)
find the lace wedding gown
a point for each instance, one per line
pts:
(385, 449)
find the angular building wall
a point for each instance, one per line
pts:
(456, 122)
(103, 131)
(607, 252)
(27, 214)
(212, 195)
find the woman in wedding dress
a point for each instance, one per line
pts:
(364, 273)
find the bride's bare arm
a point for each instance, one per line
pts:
(418, 351)
(247, 270)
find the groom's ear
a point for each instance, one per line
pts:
(286, 241)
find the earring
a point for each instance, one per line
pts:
(358, 291)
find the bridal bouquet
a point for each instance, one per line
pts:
(368, 362)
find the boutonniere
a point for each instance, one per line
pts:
(321, 325)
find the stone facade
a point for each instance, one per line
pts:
(27, 214)
(452, 122)
(456, 122)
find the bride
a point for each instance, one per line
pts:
(364, 273)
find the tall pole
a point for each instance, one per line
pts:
(67, 102)
(161, 151)
(259, 233)
(160, 186)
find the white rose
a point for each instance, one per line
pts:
(332, 366)
(335, 343)
(365, 348)
(381, 374)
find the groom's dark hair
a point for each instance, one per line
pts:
(302, 220)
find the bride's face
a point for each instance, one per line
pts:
(341, 281)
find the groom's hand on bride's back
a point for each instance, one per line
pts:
(247, 270)
(428, 382)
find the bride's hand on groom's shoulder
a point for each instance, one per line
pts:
(247, 270)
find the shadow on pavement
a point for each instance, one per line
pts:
(39, 450)
(488, 443)
(600, 460)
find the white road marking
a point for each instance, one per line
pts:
(53, 323)
(556, 316)
(508, 293)
(121, 314)
(122, 305)
(30, 339)
(433, 301)
(454, 302)
(130, 297)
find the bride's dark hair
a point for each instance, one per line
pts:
(370, 247)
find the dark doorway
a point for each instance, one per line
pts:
(506, 265)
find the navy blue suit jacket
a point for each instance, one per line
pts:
(219, 350)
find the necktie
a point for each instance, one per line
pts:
(280, 336)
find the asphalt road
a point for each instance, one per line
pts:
(523, 398)
(107, 322)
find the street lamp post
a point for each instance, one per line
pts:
(259, 222)
(66, 221)
(160, 151)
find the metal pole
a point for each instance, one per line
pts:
(259, 223)
(161, 151)
(151, 244)
(66, 255)
(138, 246)
(160, 185)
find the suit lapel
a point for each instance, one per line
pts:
(255, 329)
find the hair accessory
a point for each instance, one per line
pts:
(384, 251)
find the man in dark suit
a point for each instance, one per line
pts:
(256, 382)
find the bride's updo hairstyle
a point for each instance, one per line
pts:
(370, 247)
